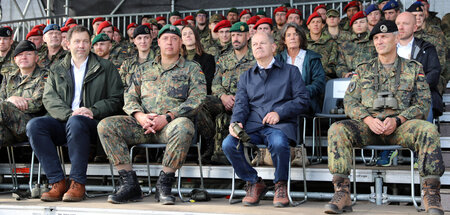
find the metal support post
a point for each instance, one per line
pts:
(379, 190)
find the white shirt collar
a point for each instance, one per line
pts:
(269, 66)
(83, 65)
(409, 45)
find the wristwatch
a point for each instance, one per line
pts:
(168, 118)
(398, 121)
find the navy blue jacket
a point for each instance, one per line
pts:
(280, 89)
(314, 77)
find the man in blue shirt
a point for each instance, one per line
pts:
(270, 95)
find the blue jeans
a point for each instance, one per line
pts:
(278, 145)
(78, 132)
(430, 114)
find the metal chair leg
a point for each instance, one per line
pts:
(233, 187)
(412, 182)
(291, 202)
(354, 177)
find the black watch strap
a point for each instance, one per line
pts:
(168, 118)
(398, 121)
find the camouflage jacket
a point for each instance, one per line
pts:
(228, 71)
(203, 33)
(412, 95)
(117, 54)
(129, 66)
(355, 51)
(179, 89)
(433, 19)
(7, 64)
(47, 63)
(344, 24)
(328, 49)
(210, 45)
(30, 86)
(130, 48)
(340, 38)
(432, 35)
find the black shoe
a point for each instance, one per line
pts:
(129, 189)
(163, 192)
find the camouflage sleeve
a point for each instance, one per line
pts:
(332, 61)
(3, 94)
(132, 96)
(197, 94)
(35, 104)
(421, 96)
(217, 88)
(123, 72)
(352, 99)
(341, 66)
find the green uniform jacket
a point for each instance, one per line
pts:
(102, 90)
(130, 65)
(7, 64)
(47, 63)
(413, 93)
(328, 49)
(357, 50)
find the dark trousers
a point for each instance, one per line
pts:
(78, 132)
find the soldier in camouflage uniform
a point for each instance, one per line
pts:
(332, 28)
(430, 16)
(21, 94)
(102, 46)
(350, 9)
(163, 98)
(224, 42)
(142, 39)
(229, 68)
(356, 50)
(210, 42)
(201, 22)
(7, 64)
(54, 52)
(374, 122)
(117, 53)
(279, 15)
(323, 44)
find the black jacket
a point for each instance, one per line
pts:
(208, 65)
(425, 53)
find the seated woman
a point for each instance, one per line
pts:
(293, 44)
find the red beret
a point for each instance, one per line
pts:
(98, 19)
(148, 25)
(131, 25)
(351, 4)
(159, 18)
(190, 17)
(222, 24)
(41, 27)
(263, 21)
(320, 6)
(312, 16)
(294, 11)
(359, 15)
(65, 29)
(253, 20)
(246, 11)
(34, 32)
(102, 25)
(116, 29)
(70, 21)
(423, 1)
(70, 27)
(280, 9)
(179, 22)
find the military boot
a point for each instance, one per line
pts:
(280, 198)
(298, 158)
(56, 193)
(254, 193)
(129, 189)
(341, 201)
(432, 196)
(163, 192)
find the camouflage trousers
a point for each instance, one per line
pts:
(418, 135)
(13, 123)
(210, 108)
(118, 132)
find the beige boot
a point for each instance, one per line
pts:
(298, 157)
(341, 201)
(259, 159)
(432, 196)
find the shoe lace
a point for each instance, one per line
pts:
(280, 190)
(433, 196)
(249, 189)
(339, 194)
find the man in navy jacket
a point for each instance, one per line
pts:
(269, 97)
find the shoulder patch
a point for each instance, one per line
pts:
(351, 87)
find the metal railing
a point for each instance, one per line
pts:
(23, 26)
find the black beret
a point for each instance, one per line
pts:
(416, 7)
(385, 26)
(141, 29)
(5, 32)
(24, 45)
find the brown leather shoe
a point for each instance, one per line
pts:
(75, 193)
(56, 193)
(341, 201)
(280, 198)
(254, 193)
(431, 196)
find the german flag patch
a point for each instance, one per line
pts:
(421, 75)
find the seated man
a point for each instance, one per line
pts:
(163, 95)
(270, 95)
(398, 122)
(81, 89)
(21, 94)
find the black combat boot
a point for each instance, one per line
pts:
(163, 192)
(129, 189)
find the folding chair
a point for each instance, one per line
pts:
(334, 92)
(12, 164)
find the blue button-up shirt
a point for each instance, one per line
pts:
(279, 89)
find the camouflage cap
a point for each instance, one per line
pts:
(239, 27)
(332, 13)
(169, 29)
(100, 37)
(215, 18)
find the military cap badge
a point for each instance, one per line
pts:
(242, 28)
(383, 28)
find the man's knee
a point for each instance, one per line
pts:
(77, 122)
(34, 125)
(278, 141)
(181, 127)
(229, 144)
